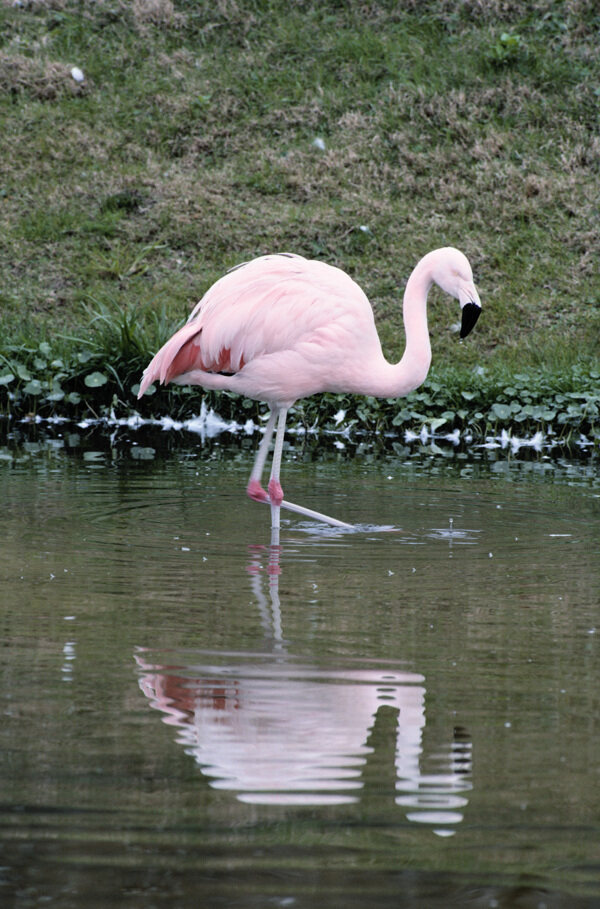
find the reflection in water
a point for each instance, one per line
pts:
(269, 607)
(278, 731)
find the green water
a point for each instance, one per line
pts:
(391, 717)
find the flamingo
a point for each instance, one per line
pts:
(282, 327)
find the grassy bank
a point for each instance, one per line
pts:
(196, 135)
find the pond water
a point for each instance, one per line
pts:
(405, 715)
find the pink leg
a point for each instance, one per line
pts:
(275, 490)
(254, 488)
(275, 495)
(256, 492)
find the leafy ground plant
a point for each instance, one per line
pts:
(101, 379)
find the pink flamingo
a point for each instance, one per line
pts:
(282, 327)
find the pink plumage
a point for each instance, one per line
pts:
(282, 327)
(273, 315)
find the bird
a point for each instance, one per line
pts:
(282, 327)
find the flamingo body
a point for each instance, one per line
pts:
(283, 327)
(276, 329)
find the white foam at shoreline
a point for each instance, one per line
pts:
(208, 424)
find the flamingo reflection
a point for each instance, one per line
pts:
(276, 730)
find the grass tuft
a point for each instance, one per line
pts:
(43, 80)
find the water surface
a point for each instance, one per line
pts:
(406, 715)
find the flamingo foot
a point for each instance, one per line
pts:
(256, 492)
(275, 492)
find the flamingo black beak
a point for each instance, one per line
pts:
(470, 313)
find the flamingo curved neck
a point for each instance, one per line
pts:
(397, 379)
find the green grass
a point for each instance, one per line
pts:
(189, 147)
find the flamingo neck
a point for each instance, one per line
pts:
(397, 379)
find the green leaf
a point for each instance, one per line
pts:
(45, 349)
(33, 388)
(7, 378)
(23, 372)
(502, 411)
(95, 379)
(435, 424)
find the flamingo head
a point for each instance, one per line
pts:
(452, 272)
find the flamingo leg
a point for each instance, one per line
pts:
(274, 498)
(275, 490)
(315, 515)
(254, 489)
(274, 487)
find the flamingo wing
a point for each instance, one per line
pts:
(262, 307)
